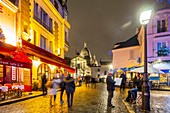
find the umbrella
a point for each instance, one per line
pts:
(150, 69)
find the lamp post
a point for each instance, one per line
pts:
(144, 20)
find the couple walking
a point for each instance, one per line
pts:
(65, 83)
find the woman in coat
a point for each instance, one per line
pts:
(53, 89)
(70, 88)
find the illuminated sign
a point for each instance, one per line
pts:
(13, 73)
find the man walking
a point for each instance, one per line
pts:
(62, 85)
(110, 88)
(44, 81)
(70, 89)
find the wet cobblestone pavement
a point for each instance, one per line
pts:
(86, 100)
(159, 103)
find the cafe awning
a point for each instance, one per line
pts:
(13, 56)
(46, 56)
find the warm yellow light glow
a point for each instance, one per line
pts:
(10, 36)
(31, 34)
(8, 22)
(111, 66)
(145, 17)
(9, 5)
(52, 67)
(36, 63)
(159, 60)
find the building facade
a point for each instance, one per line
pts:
(39, 28)
(84, 62)
(129, 53)
(159, 36)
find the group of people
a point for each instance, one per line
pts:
(66, 82)
(137, 86)
(62, 81)
(132, 93)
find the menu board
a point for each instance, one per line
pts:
(26, 76)
(13, 73)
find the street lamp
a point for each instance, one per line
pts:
(144, 20)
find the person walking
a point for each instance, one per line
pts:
(44, 81)
(110, 88)
(123, 83)
(52, 89)
(70, 89)
(79, 80)
(93, 82)
(62, 86)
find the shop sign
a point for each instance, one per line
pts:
(14, 63)
(11, 63)
(13, 73)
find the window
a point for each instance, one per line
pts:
(43, 42)
(44, 18)
(161, 26)
(50, 25)
(158, 46)
(35, 8)
(35, 36)
(66, 38)
(162, 49)
(56, 5)
(158, 26)
(51, 47)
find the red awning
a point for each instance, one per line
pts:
(46, 56)
(14, 56)
(11, 62)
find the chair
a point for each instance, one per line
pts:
(139, 98)
(21, 90)
(9, 93)
(4, 92)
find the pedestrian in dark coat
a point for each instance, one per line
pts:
(44, 81)
(62, 86)
(70, 88)
(123, 83)
(110, 88)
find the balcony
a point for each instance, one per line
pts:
(164, 51)
(43, 23)
(164, 29)
(163, 54)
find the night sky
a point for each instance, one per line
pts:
(102, 23)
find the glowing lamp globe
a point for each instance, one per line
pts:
(145, 17)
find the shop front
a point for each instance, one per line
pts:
(44, 63)
(15, 67)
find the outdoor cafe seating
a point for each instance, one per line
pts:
(8, 91)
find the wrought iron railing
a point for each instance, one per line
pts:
(43, 23)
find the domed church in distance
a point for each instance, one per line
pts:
(83, 62)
